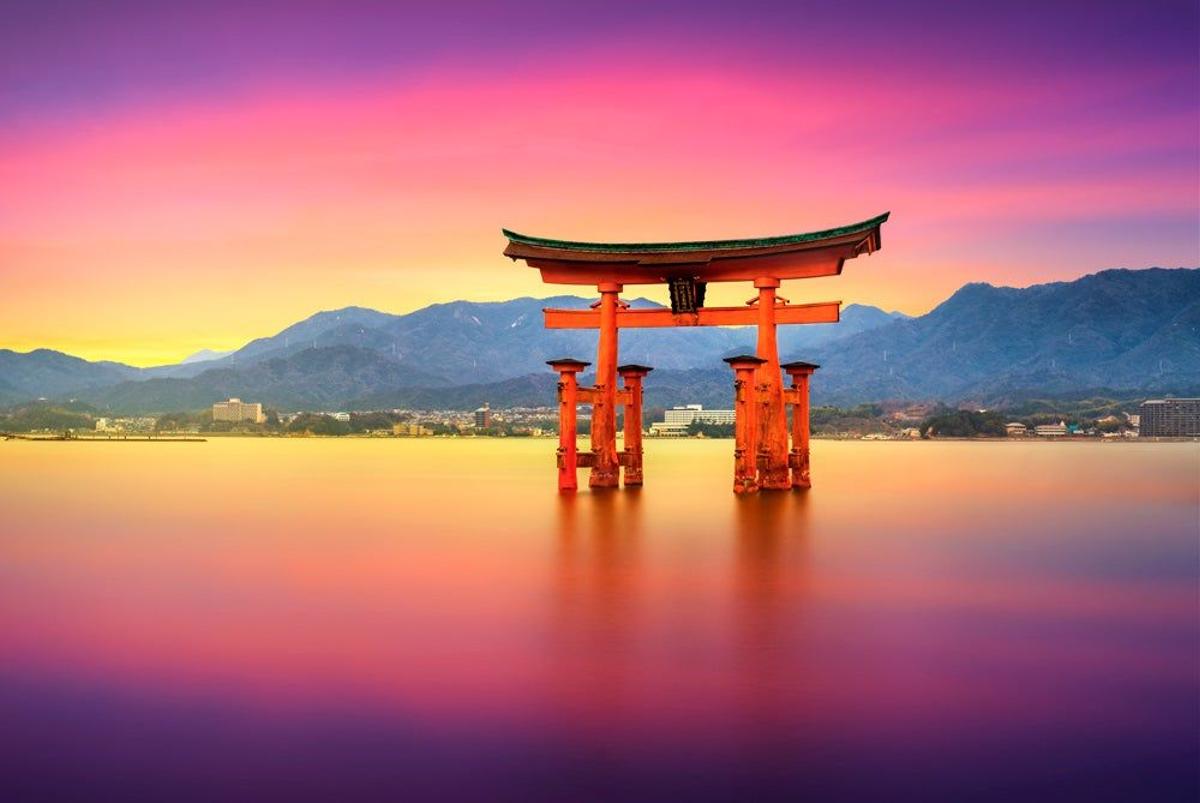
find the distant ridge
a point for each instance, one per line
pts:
(1121, 329)
(204, 355)
(47, 373)
(1128, 330)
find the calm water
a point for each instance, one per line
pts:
(412, 620)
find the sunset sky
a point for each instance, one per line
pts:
(183, 176)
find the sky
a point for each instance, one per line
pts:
(179, 176)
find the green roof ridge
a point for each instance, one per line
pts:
(700, 245)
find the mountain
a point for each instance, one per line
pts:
(351, 326)
(1118, 329)
(44, 373)
(473, 342)
(707, 386)
(359, 358)
(310, 379)
(463, 341)
(1136, 331)
(204, 355)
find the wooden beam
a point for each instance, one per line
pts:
(822, 312)
(587, 395)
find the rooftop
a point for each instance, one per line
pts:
(698, 245)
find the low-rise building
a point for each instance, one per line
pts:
(1052, 430)
(1016, 429)
(237, 410)
(406, 429)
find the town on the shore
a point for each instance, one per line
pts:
(1093, 418)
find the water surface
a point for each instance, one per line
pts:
(427, 619)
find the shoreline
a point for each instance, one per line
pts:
(203, 438)
(134, 439)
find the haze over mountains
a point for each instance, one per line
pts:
(204, 355)
(1121, 330)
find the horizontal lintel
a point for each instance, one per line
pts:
(591, 395)
(822, 312)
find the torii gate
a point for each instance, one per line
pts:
(762, 454)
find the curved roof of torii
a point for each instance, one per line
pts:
(790, 256)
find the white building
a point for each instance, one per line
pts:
(1051, 430)
(696, 412)
(677, 420)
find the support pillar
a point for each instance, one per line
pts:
(800, 372)
(773, 446)
(568, 398)
(606, 468)
(631, 458)
(746, 425)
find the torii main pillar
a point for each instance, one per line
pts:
(606, 470)
(772, 423)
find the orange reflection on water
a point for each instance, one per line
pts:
(919, 591)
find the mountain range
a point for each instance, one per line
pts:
(1128, 330)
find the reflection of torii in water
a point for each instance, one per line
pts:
(773, 653)
(687, 268)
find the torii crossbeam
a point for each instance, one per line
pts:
(687, 268)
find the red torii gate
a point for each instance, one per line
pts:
(762, 455)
